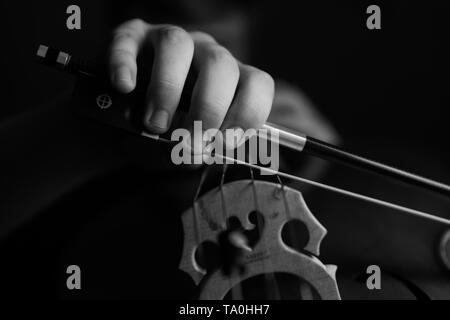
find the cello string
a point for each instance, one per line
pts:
(286, 205)
(348, 193)
(292, 234)
(201, 182)
(270, 277)
(255, 197)
(305, 287)
(222, 196)
(341, 191)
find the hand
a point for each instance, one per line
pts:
(227, 93)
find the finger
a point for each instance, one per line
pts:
(218, 76)
(253, 102)
(174, 49)
(128, 38)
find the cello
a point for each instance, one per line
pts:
(234, 233)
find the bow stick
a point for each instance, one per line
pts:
(293, 140)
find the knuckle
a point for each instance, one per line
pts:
(202, 36)
(218, 55)
(120, 35)
(261, 78)
(135, 24)
(174, 34)
(130, 28)
(121, 54)
(166, 84)
(124, 36)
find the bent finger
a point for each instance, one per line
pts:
(126, 43)
(173, 50)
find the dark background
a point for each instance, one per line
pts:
(384, 90)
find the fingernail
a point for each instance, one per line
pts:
(123, 75)
(159, 119)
